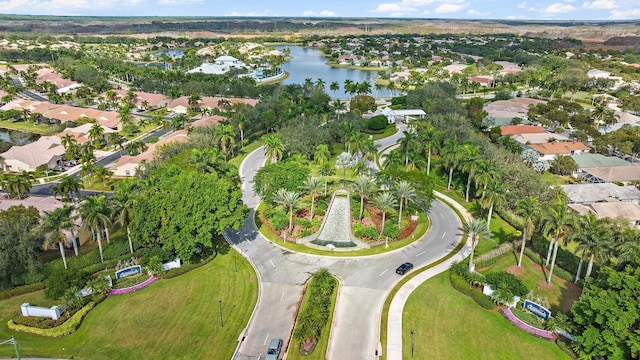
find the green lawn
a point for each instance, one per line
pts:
(177, 318)
(450, 325)
(42, 129)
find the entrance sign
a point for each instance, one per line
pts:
(131, 270)
(537, 309)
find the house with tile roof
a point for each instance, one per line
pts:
(604, 174)
(127, 165)
(550, 150)
(521, 129)
(47, 150)
(613, 210)
(181, 104)
(81, 133)
(538, 138)
(601, 192)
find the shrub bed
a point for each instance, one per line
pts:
(134, 288)
(130, 281)
(19, 290)
(526, 327)
(66, 328)
(459, 283)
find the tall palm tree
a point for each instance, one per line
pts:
(95, 212)
(312, 185)
(405, 192)
(385, 201)
(558, 221)
(451, 156)
(392, 160)
(288, 199)
(87, 169)
(356, 143)
(67, 139)
(54, 222)
(103, 174)
(527, 210)
(116, 140)
(334, 86)
(206, 161)
(469, 165)
(122, 206)
(477, 230)
(273, 147)
(493, 196)
(585, 236)
(96, 134)
(409, 143)
(322, 154)
(429, 137)
(18, 186)
(363, 186)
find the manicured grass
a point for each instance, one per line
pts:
(421, 229)
(171, 319)
(320, 350)
(42, 129)
(560, 296)
(554, 179)
(388, 131)
(450, 325)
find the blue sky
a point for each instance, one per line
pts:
(453, 9)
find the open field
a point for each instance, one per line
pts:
(177, 318)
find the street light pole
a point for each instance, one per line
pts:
(221, 321)
(15, 345)
(413, 341)
(235, 264)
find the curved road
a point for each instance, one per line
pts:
(365, 281)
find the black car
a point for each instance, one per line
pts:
(404, 268)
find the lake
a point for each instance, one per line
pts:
(17, 137)
(308, 63)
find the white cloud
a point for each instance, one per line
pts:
(522, 5)
(265, 12)
(178, 2)
(447, 8)
(558, 8)
(393, 8)
(308, 13)
(600, 4)
(474, 12)
(327, 13)
(624, 15)
(321, 13)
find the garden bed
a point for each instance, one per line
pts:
(135, 288)
(526, 327)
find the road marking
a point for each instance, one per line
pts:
(272, 264)
(265, 339)
(420, 253)
(282, 296)
(443, 234)
(442, 216)
(382, 273)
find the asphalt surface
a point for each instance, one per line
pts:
(365, 281)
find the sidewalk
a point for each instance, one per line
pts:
(396, 308)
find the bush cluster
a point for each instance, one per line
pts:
(315, 312)
(277, 218)
(66, 328)
(391, 228)
(503, 280)
(5, 294)
(459, 283)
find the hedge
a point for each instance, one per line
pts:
(5, 294)
(460, 284)
(66, 328)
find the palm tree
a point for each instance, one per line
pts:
(122, 206)
(95, 212)
(334, 86)
(363, 185)
(326, 170)
(429, 137)
(225, 135)
(67, 139)
(470, 160)
(477, 230)
(289, 199)
(67, 187)
(273, 147)
(18, 186)
(312, 185)
(558, 221)
(493, 196)
(384, 201)
(405, 192)
(451, 155)
(356, 143)
(96, 134)
(408, 143)
(103, 174)
(194, 102)
(87, 169)
(54, 222)
(392, 160)
(322, 154)
(206, 160)
(116, 140)
(527, 210)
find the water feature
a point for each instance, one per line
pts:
(16, 137)
(308, 63)
(177, 54)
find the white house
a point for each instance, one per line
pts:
(48, 150)
(403, 114)
(221, 65)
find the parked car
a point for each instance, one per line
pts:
(273, 352)
(404, 268)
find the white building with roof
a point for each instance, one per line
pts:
(47, 150)
(404, 115)
(221, 65)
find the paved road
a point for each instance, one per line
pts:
(365, 281)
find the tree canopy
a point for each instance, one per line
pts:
(19, 245)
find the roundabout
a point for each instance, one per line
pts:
(365, 281)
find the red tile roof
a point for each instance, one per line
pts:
(521, 129)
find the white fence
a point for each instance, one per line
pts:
(52, 313)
